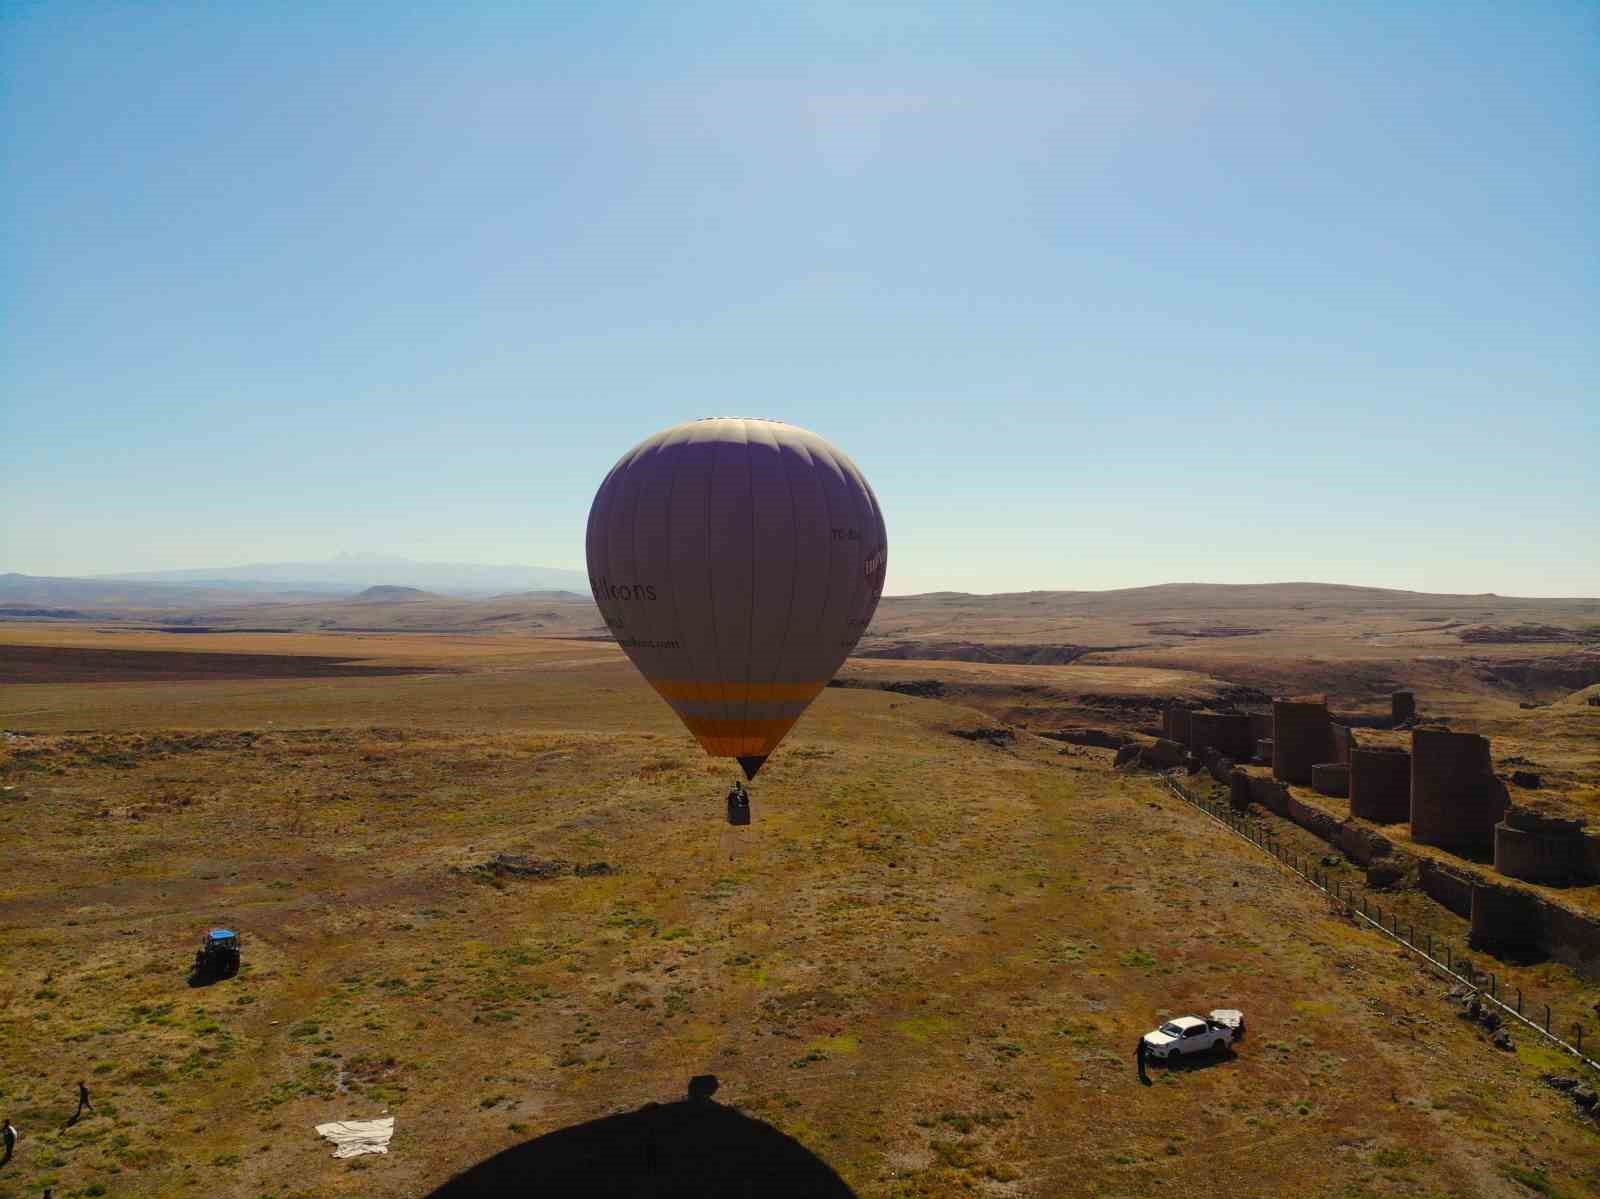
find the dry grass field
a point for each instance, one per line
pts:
(919, 972)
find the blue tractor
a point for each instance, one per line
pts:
(218, 955)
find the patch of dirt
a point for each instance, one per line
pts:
(78, 664)
(1215, 630)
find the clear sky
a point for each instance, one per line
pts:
(1096, 296)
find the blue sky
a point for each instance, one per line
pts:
(1230, 293)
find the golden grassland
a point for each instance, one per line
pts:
(927, 960)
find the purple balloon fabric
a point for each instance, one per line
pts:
(737, 562)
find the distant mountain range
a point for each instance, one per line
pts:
(350, 573)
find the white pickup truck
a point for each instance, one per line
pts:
(1190, 1034)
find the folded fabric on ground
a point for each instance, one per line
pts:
(355, 1137)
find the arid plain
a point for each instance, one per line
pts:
(920, 971)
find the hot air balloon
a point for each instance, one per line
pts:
(737, 562)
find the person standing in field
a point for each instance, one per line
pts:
(1138, 1057)
(9, 1131)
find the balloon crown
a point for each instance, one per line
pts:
(765, 420)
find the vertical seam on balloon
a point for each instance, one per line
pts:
(875, 515)
(750, 632)
(716, 643)
(666, 559)
(852, 485)
(849, 479)
(629, 494)
(781, 658)
(827, 512)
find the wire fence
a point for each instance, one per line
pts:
(1438, 955)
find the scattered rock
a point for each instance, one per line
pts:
(998, 737)
(1502, 1040)
(593, 869)
(1095, 738)
(1127, 754)
(1332, 859)
(1558, 1082)
(1384, 874)
(1527, 778)
(1583, 1095)
(518, 866)
(1163, 755)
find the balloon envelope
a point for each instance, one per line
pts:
(737, 562)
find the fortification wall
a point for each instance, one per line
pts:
(1456, 800)
(1270, 794)
(1402, 707)
(1331, 778)
(1239, 789)
(1344, 740)
(1226, 732)
(1506, 920)
(1539, 846)
(1178, 725)
(1573, 938)
(1261, 726)
(1537, 857)
(1264, 751)
(1219, 764)
(1380, 785)
(1314, 819)
(1363, 845)
(1302, 736)
(1445, 887)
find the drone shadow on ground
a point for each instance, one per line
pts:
(693, 1149)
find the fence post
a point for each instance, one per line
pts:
(1447, 964)
(1519, 1001)
(1494, 986)
(1547, 1017)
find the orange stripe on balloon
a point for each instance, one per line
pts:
(738, 738)
(703, 692)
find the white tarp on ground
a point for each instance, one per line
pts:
(355, 1137)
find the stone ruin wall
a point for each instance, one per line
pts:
(1226, 732)
(1456, 800)
(1539, 848)
(1380, 785)
(1503, 916)
(1446, 887)
(1331, 778)
(1302, 736)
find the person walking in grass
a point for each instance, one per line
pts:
(1139, 1057)
(83, 1101)
(9, 1132)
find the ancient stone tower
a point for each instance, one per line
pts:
(1302, 736)
(1455, 798)
(1226, 732)
(1402, 707)
(1380, 785)
(1537, 846)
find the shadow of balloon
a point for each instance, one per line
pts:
(694, 1149)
